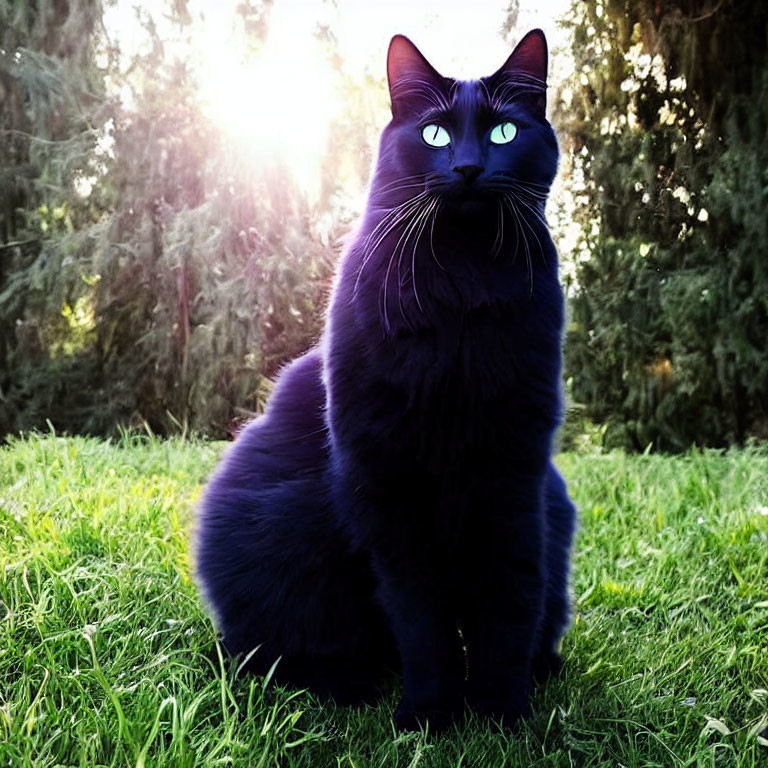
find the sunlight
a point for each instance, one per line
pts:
(277, 104)
(276, 101)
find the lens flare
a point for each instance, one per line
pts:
(277, 104)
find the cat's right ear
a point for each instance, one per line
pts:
(413, 82)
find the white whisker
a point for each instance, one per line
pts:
(499, 241)
(401, 244)
(382, 230)
(424, 218)
(432, 234)
(411, 215)
(513, 208)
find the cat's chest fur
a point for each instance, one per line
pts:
(476, 326)
(457, 382)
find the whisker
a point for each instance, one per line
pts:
(505, 203)
(539, 196)
(530, 226)
(394, 188)
(382, 230)
(513, 86)
(533, 195)
(401, 182)
(432, 234)
(528, 261)
(532, 207)
(412, 213)
(499, 241)
(406, 236)
(408, 85)
(424, 218)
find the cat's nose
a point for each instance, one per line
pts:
(469, 172)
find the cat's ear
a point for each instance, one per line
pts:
(413, 82)
(524, 73)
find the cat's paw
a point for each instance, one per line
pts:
(409, 718)
(506, 713)
(546, 664)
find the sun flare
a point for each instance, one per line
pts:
(275, 101)
(278, 103)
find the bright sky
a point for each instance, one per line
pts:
(461, 38)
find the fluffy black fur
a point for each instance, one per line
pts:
(397, 500)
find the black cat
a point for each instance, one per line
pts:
(397, 498)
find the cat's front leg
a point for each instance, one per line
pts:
(419, 604)
(502, 609)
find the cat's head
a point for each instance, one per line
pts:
(468, 142)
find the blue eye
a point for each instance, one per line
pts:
(435, 136)
(503, 133)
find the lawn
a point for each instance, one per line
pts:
(107, 656)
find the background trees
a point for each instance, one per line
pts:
(51, 97)
(666, 118)
(149, 276)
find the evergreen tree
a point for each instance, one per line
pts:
(665, 121)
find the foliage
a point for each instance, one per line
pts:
(150, 275)
(147, 274)
(107, 656)
(49, 91)
(665, 119)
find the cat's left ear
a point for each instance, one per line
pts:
(413, 82)
(524, 73)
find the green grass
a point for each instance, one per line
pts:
(107, 656)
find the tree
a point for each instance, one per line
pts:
(665, 118)
(51, 97)
(148, 275)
